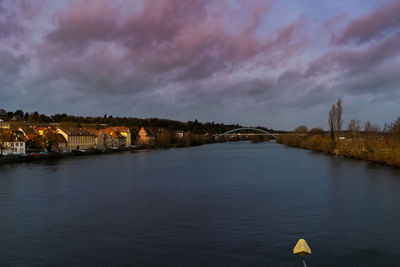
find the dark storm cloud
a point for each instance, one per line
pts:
(234, 61)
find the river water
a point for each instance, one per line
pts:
(230, 204)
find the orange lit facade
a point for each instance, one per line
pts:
(145, 136)
(119, 136)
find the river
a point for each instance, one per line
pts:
(227, 204)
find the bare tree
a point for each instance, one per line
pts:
(50, 139)
(339, 120)
(394, 127)
(3, 147)
(316, 131)
(302, 129)
(354, 127)
(332, 120)
(5, 137)
(335, 118)
(371, 127)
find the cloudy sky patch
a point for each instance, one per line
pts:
(272, 63)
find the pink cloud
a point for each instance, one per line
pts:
(331, 24)
(165, 35)
(83, 23)
(356, 60)
(373, 25)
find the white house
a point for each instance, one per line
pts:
(12, 147)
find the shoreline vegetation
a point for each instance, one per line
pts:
(359, 141)
(376, 149)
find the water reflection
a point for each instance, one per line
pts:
(234, 204)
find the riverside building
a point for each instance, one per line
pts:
(78, 138)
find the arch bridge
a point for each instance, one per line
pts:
(218, 137)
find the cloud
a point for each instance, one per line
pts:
(84, 23)
(384, 19)
(10, 64)
(356, 60)
(14, 14)
(9, 21)
(252, 62)
(165, 36)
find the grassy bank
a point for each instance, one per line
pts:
(376, 148)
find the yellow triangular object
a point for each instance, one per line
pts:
(301, 248)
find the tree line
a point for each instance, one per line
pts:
(195, 126)
(359, 140)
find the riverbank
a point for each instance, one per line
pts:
(370, 148)
(59, 155)
(56, 155)
(165, 141)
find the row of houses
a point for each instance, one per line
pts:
(84, 138)
(69, 139)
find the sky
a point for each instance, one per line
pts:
(272, 63)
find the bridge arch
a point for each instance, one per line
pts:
(244, 128)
